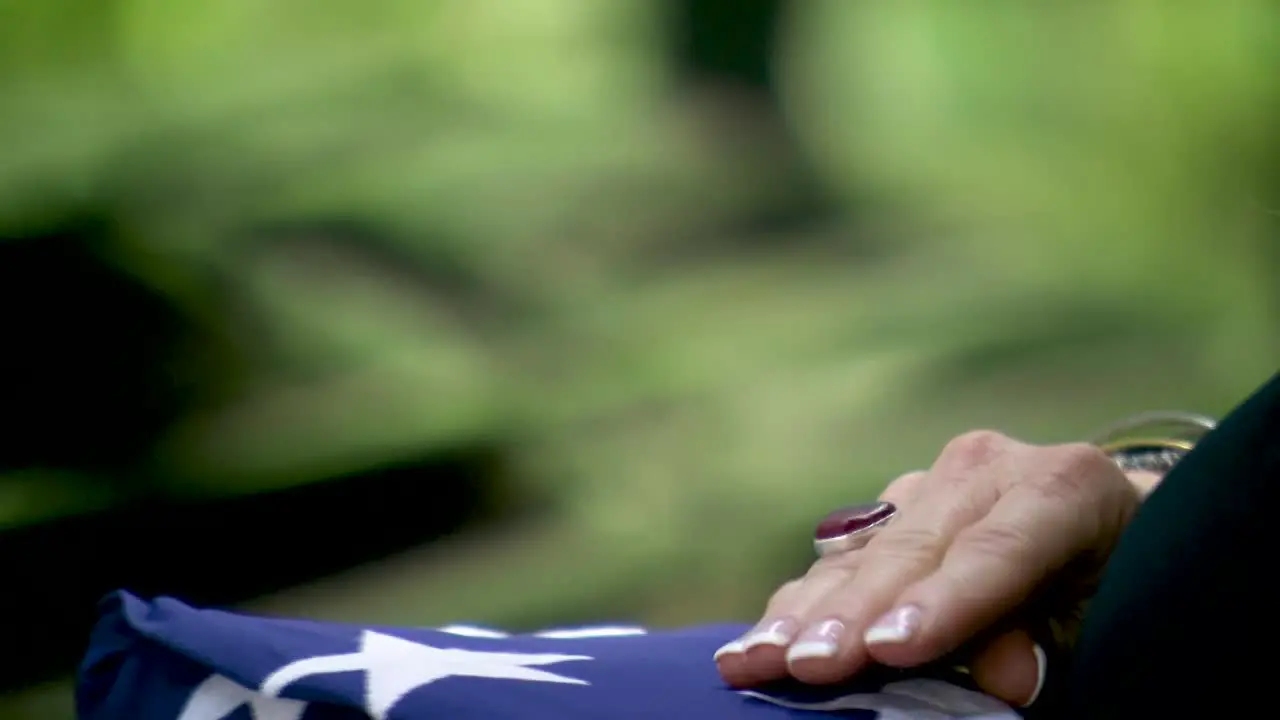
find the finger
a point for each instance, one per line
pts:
(731, 659)
(994, 566)
(831, 648)
(904, 491)
(1011, 667)
(763, 648)
(760, 655)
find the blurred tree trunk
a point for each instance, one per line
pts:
(730, 42)
(726, 54)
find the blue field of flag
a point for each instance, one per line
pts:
(164, 660)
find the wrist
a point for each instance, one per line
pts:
(1144, 481)
(1146, 447)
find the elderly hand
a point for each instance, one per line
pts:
(974, 537)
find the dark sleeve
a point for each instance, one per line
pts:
(1187, 619)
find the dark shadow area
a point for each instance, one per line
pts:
(729, 42)
(88, 372)
(225, 551)
(725, 53)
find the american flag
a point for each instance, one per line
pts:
(164, 660)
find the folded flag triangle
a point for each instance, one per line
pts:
(164, 660)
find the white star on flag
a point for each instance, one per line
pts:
(394, 667)
(217, 697)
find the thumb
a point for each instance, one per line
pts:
(1011, 667)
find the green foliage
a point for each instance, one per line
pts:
(1076, 197)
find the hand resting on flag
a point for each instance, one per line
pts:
(164, 660)
(990, 524)
(993, 521)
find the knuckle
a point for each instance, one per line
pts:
(844, 563)
(786, 593)
(976, 447)
(1086, 457)
(1086, 476)
(1065, 486)
(899, 490)
(908, 478)
(998, 541)
(1078, 472)
(907, 545)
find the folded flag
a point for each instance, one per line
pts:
(164, 660)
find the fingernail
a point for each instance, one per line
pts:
(731, 648)
(774, 632)
(1042, 666)
(821, 640)
(895, 626)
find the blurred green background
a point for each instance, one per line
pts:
(658, 282)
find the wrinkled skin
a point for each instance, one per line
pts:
(991, 521)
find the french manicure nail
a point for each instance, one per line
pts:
(775, 632)
(895, 626)
(819, 641)
(730, 648)
(1042, 666)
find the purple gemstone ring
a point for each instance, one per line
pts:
(850, 528)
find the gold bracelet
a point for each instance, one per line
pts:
(1153, 442)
